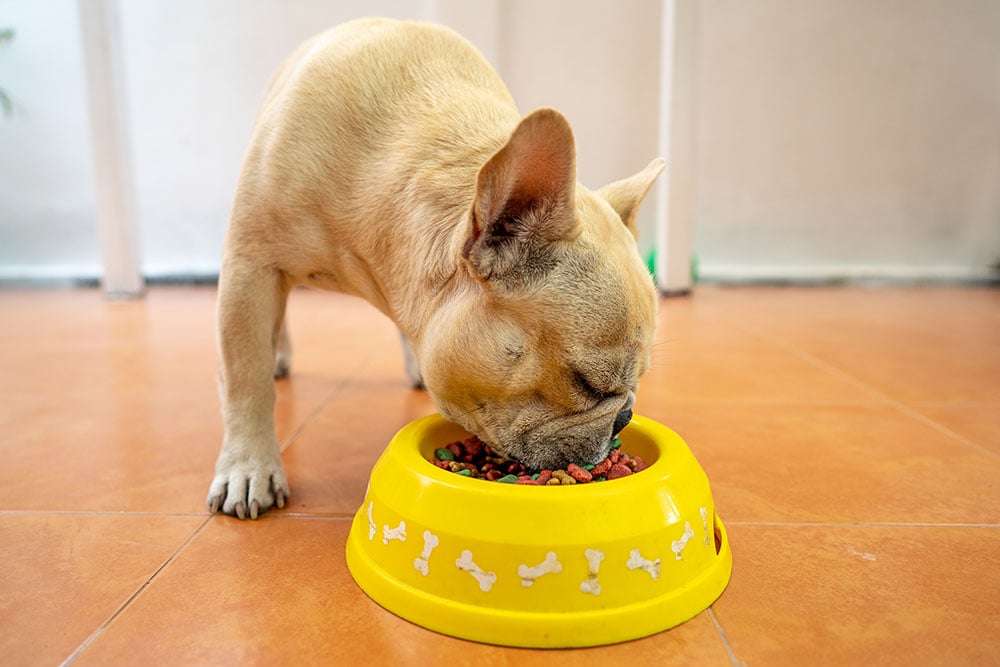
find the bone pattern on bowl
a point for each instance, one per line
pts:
(533, 566)
(485, 575)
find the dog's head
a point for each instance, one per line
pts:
(541, 353)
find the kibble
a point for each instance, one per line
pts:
(474, 458)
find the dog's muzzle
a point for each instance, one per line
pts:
(624, 415)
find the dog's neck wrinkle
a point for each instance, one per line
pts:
(415, 298)
(436, 196)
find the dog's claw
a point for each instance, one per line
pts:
(249, 490)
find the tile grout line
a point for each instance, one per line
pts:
(812, 360)
(295, 515)
(324, 517)
(889, 401)
(312, 415)
(907, 410)
(955, 404)
(104, 626)
(899, 406)
(336, 391)
(280, 514)
(724, 638)
(854, 524)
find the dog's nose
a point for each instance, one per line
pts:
(622, 420)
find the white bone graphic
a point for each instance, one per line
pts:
(635, 561)
(529, 574)
(485, 579)
(679, 545)
(594, 558)
(430, 541)
(371, 523)
(704, 524)
(397, 533)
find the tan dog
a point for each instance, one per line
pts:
(390, 162)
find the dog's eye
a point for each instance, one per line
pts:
(581, 381)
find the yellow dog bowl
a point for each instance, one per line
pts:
(540, 566)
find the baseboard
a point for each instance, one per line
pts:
(868, 275)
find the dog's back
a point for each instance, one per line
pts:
(358, 128)
(382, 68)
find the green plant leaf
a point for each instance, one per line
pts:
(6, 35)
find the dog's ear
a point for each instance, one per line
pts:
(524, 201)
(626, 195)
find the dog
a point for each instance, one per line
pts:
(390, 162)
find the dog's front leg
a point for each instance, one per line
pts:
(249, 477)
(410, 360)
(283, 353)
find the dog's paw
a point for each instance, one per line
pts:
(248, 488)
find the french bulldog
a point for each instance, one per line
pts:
(390, 162)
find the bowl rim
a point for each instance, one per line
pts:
(406, 445)
(470, 620)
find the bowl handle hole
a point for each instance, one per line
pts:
(718, 535)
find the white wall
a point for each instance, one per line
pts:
(848, 138)
(195, 72)
(830, 138)
(599, 64)
(600, 67)
(46, 190)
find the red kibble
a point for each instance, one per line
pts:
(579, 474)
(618, 470)
(473, 447)
(476, 459)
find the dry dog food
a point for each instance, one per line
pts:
(474, 458)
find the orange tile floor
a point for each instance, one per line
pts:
(852, 438)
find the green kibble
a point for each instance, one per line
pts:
(588, 467)
(508, 479)
(616, 443)
(536, 476)
(466, 472)
(444, 454)
(600, 478)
